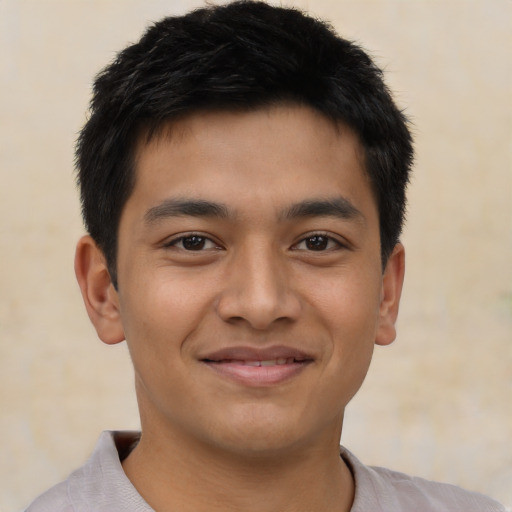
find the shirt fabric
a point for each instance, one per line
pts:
(102, 486)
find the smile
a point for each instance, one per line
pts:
(268, 362)
(256, 368)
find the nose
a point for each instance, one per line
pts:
(257, 290)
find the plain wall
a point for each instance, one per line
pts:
(437, 403)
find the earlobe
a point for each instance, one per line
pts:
(99, 295)
(391, 291)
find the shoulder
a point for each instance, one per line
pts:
(384, 490)
(53, 500)
(100, 485)
(438, 496)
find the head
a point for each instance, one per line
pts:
(243, 174)
(239, 57)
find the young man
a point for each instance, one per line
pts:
(243, 178)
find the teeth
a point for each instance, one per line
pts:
(253, 363)
(270, 362)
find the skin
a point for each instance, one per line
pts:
(263, 271)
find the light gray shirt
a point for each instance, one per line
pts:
(102, 486)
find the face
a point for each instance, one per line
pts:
(251, 290)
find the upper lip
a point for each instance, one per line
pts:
(245, 353)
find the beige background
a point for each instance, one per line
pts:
(436, 403)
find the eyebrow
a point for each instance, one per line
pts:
(338, 207)
(185, 208)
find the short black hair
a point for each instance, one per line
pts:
(240, 56)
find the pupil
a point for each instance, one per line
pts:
(193, 242)
(316, 243)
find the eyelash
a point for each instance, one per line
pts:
(175, 241)
(329, 240)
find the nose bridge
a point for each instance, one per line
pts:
(263, 276)
(257, 288)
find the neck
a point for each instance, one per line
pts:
(173, 472)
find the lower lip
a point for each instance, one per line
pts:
(257, 375)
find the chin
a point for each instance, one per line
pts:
(260, 435)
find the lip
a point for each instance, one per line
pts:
(258, 367)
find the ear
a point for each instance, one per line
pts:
(391, 291)
(100, 297)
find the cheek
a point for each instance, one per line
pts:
(159, 315)
(348, 308)
(159, 318)
(347, 300)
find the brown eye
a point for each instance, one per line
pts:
(193, 243)
(317, 243)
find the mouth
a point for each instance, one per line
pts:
(255, 368)
(257, 362)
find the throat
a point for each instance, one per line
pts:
(170, 481)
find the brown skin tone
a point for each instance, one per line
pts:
(265, 269)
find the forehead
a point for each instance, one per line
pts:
(281, 153)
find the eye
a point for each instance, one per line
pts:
(318, 242)
(193, 243)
